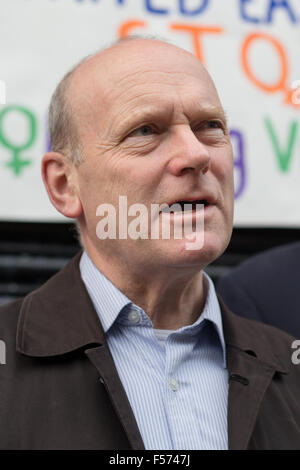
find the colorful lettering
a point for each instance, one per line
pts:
(17, 163)
(239, 162)
(191, 12)
(273, 5)
(283, 155)
(196, 33)
(281, 83)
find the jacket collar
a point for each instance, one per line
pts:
(59, 317)
(251, 338)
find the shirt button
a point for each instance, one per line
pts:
(134, 316)
(174, 385)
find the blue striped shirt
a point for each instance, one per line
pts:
(176, 381)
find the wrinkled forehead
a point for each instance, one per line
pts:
(137, 68)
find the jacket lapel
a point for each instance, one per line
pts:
(248, 382)
(102, 360)
(251, 366)
(59, 318)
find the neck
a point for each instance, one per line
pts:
(171, 297)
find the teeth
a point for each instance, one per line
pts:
(185, 206)
(176, 207)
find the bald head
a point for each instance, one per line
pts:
(150, 126)
(82, 90)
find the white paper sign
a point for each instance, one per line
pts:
(250, 47)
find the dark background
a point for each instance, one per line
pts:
(32, 252)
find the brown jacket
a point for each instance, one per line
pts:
(59, 388)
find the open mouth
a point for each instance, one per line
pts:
(186, 206)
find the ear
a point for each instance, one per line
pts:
(59, 179)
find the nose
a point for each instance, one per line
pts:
(188, 153)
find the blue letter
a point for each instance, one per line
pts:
(280, 3)
(244, 14)
(239, 163)
(155, 10)
(198, 10)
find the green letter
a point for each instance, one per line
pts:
(283, 155)
(16, 163)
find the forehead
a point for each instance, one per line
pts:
(143, 72)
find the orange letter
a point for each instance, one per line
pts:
(280, 84)
(127, 26)
(196, 31)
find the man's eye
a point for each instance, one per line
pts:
(213, 125)
(142, 131)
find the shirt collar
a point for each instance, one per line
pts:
(59, 317)
(109, 301)
(212, 312)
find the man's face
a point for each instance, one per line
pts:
(153, 130)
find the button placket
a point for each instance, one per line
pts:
(174, 385)
(134, 316)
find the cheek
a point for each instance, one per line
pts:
(139, 179)
(222, 168)
(91, 189)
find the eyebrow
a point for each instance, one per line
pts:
(145, 113)
(210, 112)
(155, 112)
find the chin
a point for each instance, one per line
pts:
(214, 246)
(200, 253)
